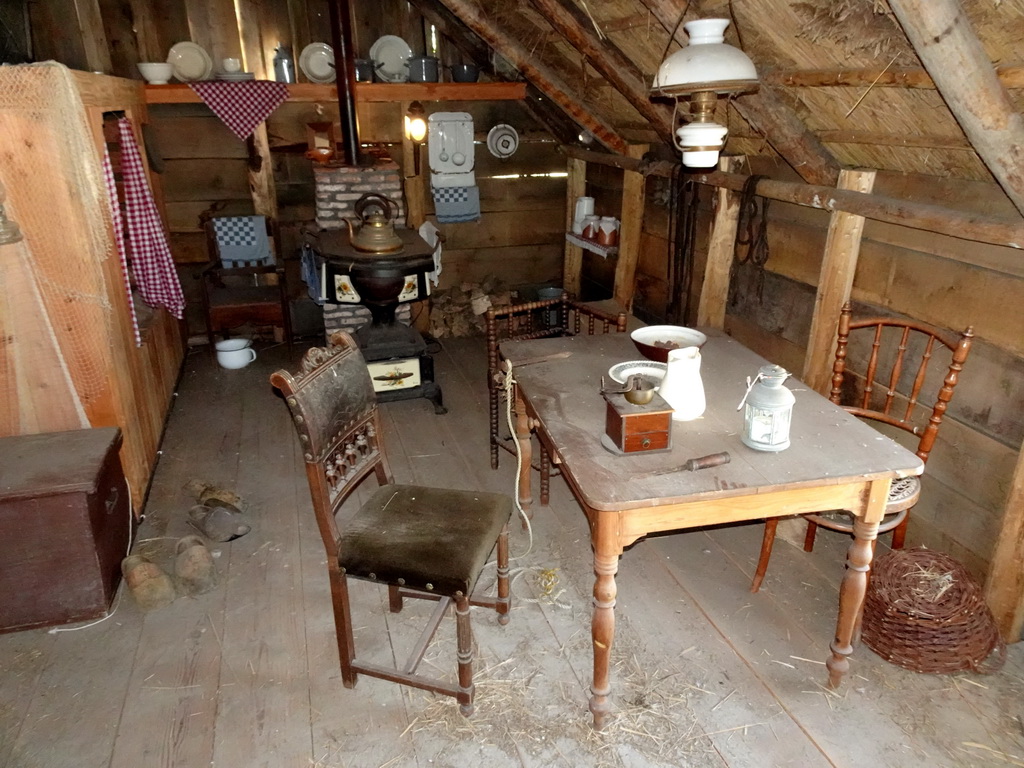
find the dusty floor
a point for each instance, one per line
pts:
(705, 674)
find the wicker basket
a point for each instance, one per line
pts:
(924, 612)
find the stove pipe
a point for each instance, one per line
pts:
(345, 68)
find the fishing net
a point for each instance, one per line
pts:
(55, 318)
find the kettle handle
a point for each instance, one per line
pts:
(373, 199)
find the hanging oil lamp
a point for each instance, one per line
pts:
(768, 410)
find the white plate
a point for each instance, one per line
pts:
(390, 55)
(190, 62)
(502, 140)
(236, 77)
(650, 370)
(317, 63)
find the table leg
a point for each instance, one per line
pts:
(602, 631)
(851, 598)
(524, 436)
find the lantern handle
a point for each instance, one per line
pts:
(750, 386)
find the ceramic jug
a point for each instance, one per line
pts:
(682, 387)
(608, 231)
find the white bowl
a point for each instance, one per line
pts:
(156, 72)
(656, 341)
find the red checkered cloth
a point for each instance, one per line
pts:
(241, 105)
(152, 263)
(118, 224)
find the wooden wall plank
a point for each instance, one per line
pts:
(838, 266)
(1004, 588)
(714, 292)
(631, 224)
(575, 186)
(205, 179)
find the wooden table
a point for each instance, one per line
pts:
(834, 462)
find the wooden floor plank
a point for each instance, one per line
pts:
(247, 675)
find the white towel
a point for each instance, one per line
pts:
(430, 234)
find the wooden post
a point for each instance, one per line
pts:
(261, 173)
(842, 247)
(1004, 588)
(575, 186)
(630, 227)
(415, 203)
(714, 293)
(947, 46)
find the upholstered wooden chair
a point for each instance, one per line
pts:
(908, 351)
(422, 542)
(535, 320)
(237, 290)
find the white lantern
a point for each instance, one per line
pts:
(768, 410)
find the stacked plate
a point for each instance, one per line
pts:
(236, 77)
(189, 62)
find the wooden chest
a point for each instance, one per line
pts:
(64, 526)
(638, 428)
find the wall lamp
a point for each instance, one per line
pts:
(416, 131)
(702, 70)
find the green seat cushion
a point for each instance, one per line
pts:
(431, 539)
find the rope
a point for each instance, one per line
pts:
(752, 231)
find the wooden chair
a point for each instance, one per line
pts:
(422, 542)
(894, 403)
(237, 295)
(535, 320)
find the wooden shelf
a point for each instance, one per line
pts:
(180, 93)
(590, 245)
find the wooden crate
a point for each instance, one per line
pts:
(64, 526)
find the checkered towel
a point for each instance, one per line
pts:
(242, 241)
(152, 263)
(118, 224)
(242, 106)
(453, 204)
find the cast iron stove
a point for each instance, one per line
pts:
(396, 354)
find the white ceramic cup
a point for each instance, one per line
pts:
(231, 65)
(235, 353)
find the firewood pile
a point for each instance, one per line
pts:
(459, 310)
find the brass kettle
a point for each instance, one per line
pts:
(376, 233)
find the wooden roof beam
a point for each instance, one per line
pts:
(1011, 76)
(608, 60)
(766, 112)
(947, 46)
(908, 213)
(540, 107)
(541, 76)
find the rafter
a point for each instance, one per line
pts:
(947, 46)
(539, 106)
(607, 59)
(540, 75)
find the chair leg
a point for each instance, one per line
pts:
(394, 598)
(812, 531)
(504, 594)
(464, 634)
(767, 542)
(899, 533)
(545, 475)
(343, 626)
(494, 400)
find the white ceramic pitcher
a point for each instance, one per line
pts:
(682, 386)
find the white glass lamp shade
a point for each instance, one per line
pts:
(706, 64)
(700, 143)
